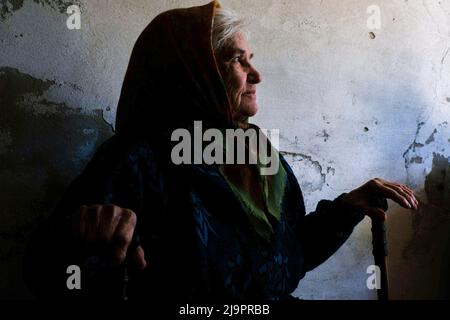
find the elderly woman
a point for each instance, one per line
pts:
(192, 231)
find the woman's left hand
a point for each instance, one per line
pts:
(362, 197)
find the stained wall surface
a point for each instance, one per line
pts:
(353, 100)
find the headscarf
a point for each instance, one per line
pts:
(173, 80)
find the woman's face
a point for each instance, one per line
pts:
(240, 78)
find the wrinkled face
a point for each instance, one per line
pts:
(240, 78)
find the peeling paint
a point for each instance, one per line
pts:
(420, 154)
(40, 153)
(8, 7)
(323, 134)
(73, 86)
(412, 148)
(431, 137)
(28, 129)
(309, 172)
(416, 159)
(14, 84)
(56, 133)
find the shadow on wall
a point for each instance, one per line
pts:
(419, 241)
(43, 146)
(428, 253)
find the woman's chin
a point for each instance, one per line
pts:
(249, 110)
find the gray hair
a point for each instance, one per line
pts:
(226, 25)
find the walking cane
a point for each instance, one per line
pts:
(135, 242)
(380, 252)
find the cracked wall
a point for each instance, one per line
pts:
(351, 104)
(43, 145)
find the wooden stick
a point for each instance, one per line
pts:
(380, 252)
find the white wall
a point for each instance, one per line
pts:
(349, 107)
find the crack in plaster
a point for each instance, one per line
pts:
(316, 164)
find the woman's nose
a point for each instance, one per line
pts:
(254, 76)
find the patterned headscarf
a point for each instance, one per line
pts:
(173, 80)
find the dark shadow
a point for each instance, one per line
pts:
(40, 153)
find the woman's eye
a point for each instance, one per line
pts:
(236, 59)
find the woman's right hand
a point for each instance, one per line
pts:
(112, 226)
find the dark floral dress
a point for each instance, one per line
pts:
(197, 240)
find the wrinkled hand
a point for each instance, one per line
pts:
(362, 197)
(112, 227)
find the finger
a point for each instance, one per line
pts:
(375, 213)
(404, 194)
(123, 235)
(109, 219)
(406, 189)
(394, 195)
(411, 194)
(91, 223)
(138, 258)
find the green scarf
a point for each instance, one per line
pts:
(260, 195)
